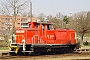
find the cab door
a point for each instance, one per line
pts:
(42, 34)
(49, 34)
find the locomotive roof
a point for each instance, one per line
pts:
(43, 23)
(27, 29)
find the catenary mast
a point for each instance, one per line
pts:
(30, 11)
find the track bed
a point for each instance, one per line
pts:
(68, 56)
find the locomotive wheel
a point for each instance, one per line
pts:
(52, 53)
(26, 53)
(20, 53)
(68, 50)
(12, 53)
(34, 54)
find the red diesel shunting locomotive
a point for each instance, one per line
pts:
(43, 38)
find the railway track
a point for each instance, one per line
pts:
(82, 50)
(78, 52)
(6, 53)
(84, 55)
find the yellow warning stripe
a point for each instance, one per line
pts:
(15, 48)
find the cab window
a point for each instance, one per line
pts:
(49, 27)
(43, 27)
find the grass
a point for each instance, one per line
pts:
(4, 48)
(3, 43)
(87, 45)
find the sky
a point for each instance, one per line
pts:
(52, 7)
(64, 6)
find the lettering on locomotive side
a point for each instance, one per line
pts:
(61, 34)
(20, 31)
(50, 36)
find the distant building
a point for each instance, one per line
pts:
(6, 22)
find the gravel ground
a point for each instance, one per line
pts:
(85, 47)
(69, 56)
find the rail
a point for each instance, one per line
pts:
(6, 53)
(82, 50)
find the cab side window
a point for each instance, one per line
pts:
(43, 27)
(49, 27)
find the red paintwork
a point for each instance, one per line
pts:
(36, 35)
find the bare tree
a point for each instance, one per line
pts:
(59, 15)
(57, 22)
(42, 16)
(29, 14)
(14, 8)
(11, 7)
(24, 14)
(49, 17)
(81, 23)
